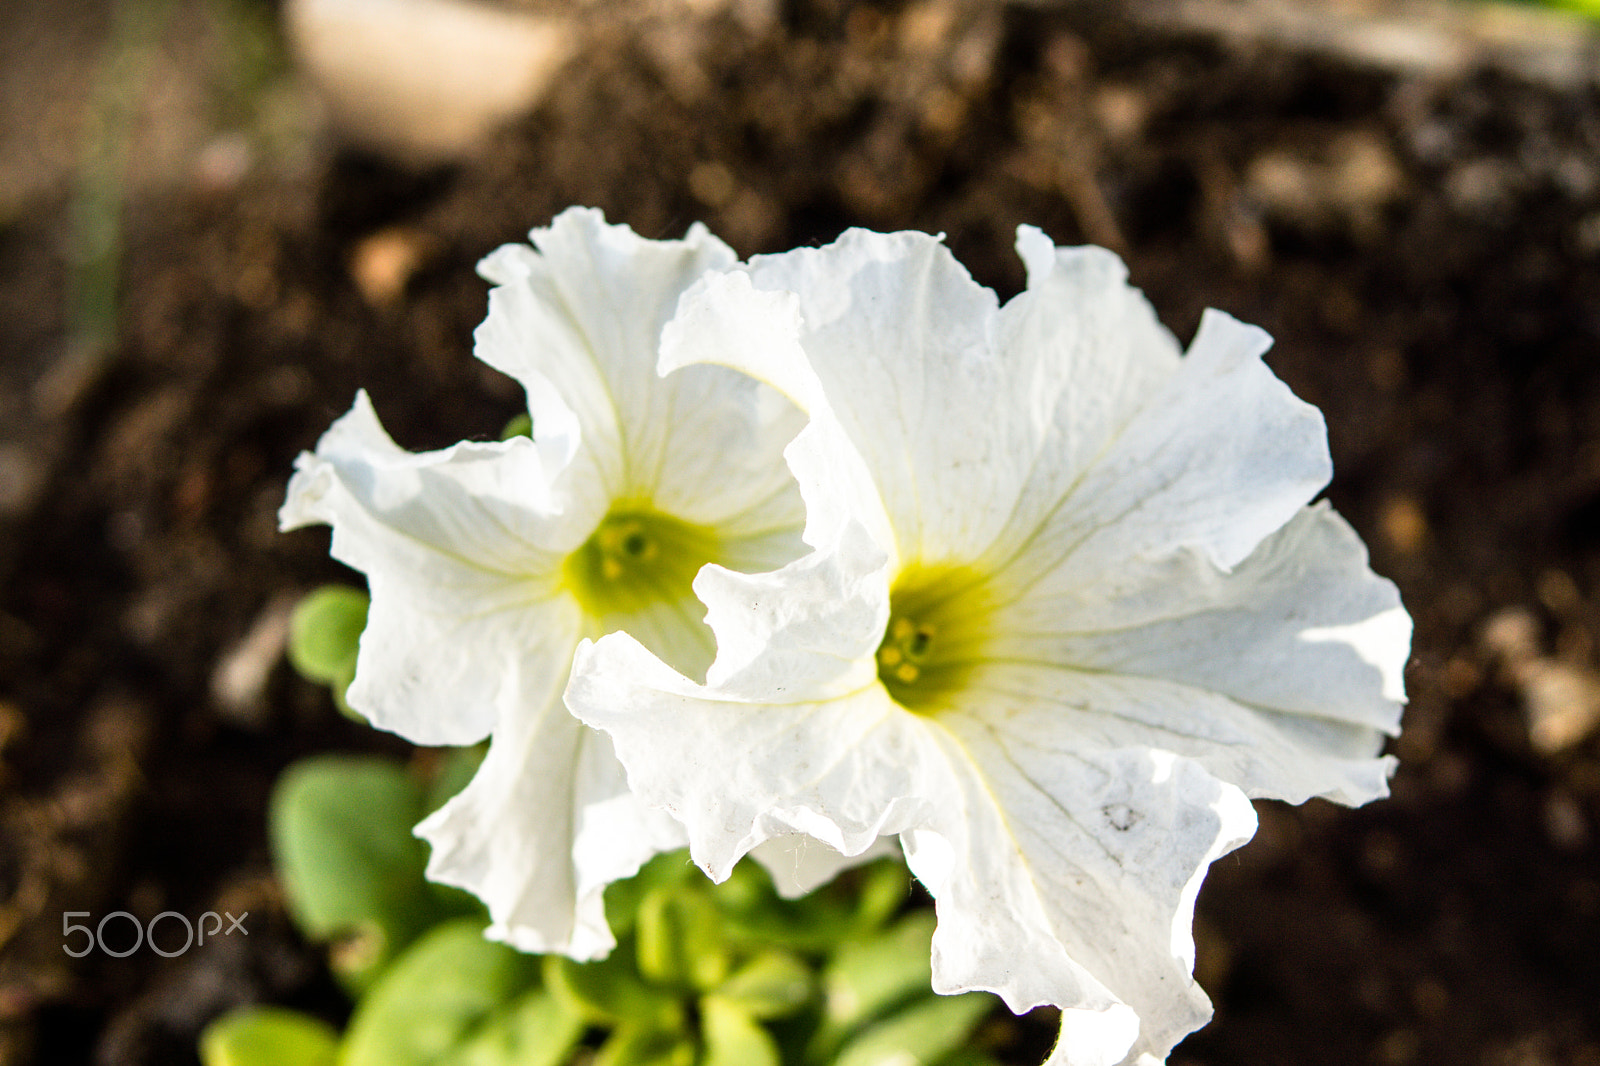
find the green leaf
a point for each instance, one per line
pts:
(851, 907)
(680, 938)
(610, 991)
(536, 1030)
(340, 689)
(772, 985)
(622, 898)
(268, 1036)
(342, 845)
(450, 773)
(866, 979)
(732, 1037)
(325, 630)
(970, 1057)
(519, 426)
(920, 1035)
(1588, 8)
(885, 885)
(455, 768)
(748, 890)
(437, 999)
(646, 1046)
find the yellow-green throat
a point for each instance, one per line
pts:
(637, 557)
(938, 624)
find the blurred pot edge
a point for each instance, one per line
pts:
(425, 80)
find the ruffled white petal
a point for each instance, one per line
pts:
(1283, 676)
(1222, 455)
(546, 823)
(473, 620)
(1301, 625)
(454, 545)
(1171, 627)
(724, 320)
(486, 502)
(1064, 875)
(718, 463)
(738, 774)
(578, 321)
(1068, 875)
(1058, 433)
(1087, 354)
(1291, 757)
(805, 632)
(902, 343)
(945, 399)
(801, 864)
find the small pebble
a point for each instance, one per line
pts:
(384, 262)
(1564, 822)
(239, 682)
(1404, 525)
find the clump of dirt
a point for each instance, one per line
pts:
(1422, 245)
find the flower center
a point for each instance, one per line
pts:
(938, 625)
(637, 558)
(904, 647)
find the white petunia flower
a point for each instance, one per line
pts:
(1066, 611)
(489, 562)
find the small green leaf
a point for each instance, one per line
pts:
(610, 992)
(268, 1036)
(340, 690)
(866, 979)
(455, 768)
(535, 1030)
(771, 985)
(342, 844)
(885, 885)
(747, 890)
(851, 907)
(732, 1037)
(519, 426)
(921, 1035)
(622, 898)
(633, 1045)
(680, 939)
(437, 998)
(970, 1057)
(1588, 8)
(450, 774)
(325, 630)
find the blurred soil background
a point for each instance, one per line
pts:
(204, 252)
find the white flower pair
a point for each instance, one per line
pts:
(1025, 586)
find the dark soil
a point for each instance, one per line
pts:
(1424, 247)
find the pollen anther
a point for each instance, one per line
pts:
(635, 558)
(937, 626)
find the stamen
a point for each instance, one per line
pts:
(635, 558)
(938, 625)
